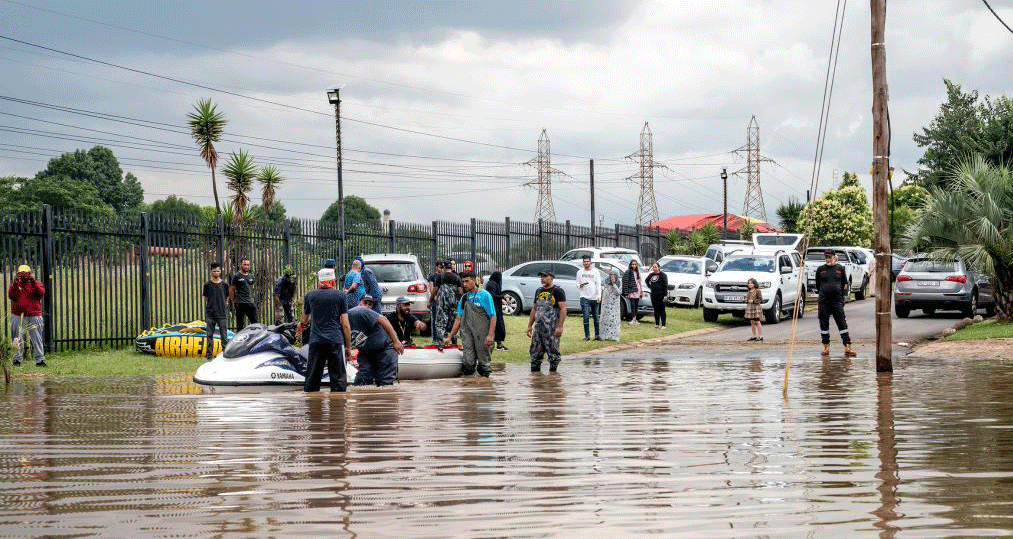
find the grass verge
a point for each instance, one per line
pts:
(989, 329)
(129, 362)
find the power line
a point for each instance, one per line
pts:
(997, 16)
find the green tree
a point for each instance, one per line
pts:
(175, 208)
(240, 170)
(206, 126)
(275, 215)
(788, 215)
(269, 179)
(850, 179)
(357, 210)
(696, 242)
(839, 217)
(60, 192)
(98, 168)
(971, 215)
(905, 202)
(966, 125)
(747, 230)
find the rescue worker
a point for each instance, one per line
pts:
(330, 334)
(545, 325)
(372, 286)
(378, 354)
(476, 319)
(832, 284)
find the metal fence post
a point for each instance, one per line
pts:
(47, 277)
(474, 241)
(220, 236)
(618, 243)
(639, 242)
(541, 240)
(507, 222)
(390, 234)
(436, 242)
(286, 242)
(568, 244)
(145, 271)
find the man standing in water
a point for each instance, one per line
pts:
(329, 333)
(216, 293)
(476, 314)
(545, 325)
(241, 295)
(832, 284)
(378, 353)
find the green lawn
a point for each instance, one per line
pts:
(988, 329)
(127, 361)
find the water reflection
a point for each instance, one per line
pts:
(674, 444)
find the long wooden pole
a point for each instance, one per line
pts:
(880, 198)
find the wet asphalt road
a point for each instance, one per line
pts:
(861, 323)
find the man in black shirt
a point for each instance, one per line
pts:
(216, 293)
(329, 333)
(545, 324)
(832, 284)
(284, 292)
(404, 321)
(241, 295)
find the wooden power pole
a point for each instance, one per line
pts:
(880, 198)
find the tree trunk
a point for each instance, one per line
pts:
(214, 189)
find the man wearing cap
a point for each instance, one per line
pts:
(329, 333)
(832, 284)
(380, 348)
(26, 294)
(476, 318)
(545, 325)
(404, 321)
(284, 291)
(372, 286)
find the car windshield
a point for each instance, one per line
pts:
(930, 266)
(785, 240)
(814, 255)
(393, 272)
(750, 263)
(682, 266)
(623, 258)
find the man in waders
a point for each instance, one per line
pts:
(476, 318)
(832, 284)
(545, 325)
(380, 348)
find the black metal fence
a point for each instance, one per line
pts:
(108, 278)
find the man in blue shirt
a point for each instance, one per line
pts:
(372, 286)
(329, 334)
(378, 353)
(476, 318)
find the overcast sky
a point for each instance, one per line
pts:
(493, 74)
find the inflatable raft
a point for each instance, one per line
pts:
(429, 362)
(178, 340)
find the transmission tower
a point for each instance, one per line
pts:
(647, 206)
(543, 209)
(753, 205)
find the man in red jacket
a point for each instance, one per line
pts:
(26, 294)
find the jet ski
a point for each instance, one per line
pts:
(261, 355)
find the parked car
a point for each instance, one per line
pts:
(400, 275)
(946, 285)
(607, 265)
(686, 276)
(521, 281)
(621, 254)
(896, 264)
(847, 257)
(718, 251)
(775, 265)
(484, 264)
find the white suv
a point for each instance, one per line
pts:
(400, 275)
(776, 266)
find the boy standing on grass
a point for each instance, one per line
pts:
(545, 325)
(26, 294)
(216, 293)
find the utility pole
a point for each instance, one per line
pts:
(543, 209)
(880, 178)
(334, 97)
(724, 180)
(592, 200)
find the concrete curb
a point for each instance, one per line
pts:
(636, 344)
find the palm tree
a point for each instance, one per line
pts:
(240, 171)
(789, 214)
(971, 215)
(269, 179)
(206, 127)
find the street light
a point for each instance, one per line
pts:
(724, 180)
(334, 98)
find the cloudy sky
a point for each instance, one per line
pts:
(444, 101)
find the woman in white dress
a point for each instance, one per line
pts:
(611, 308)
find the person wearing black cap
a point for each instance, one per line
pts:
(545, 325)
(832, 284)
(404, 321)
(378, 353)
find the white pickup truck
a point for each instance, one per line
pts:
(856, 272)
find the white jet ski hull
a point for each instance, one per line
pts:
(260, 369)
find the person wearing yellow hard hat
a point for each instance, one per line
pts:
(26, 294)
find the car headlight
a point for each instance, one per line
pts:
(686, 286)
(709, 284)
(765, 284)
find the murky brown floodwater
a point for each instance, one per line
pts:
(686, 446)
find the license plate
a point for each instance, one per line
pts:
(930, 283)
(387, 308)
(735, 299)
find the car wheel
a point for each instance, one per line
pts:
(972, 308)
(903, 312)
(699, 298)
(862, 292)
(801, 306)
(773, 315)
(710, 315)
(511, 304)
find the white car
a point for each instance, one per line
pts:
(400, 275)
(620, 254)
(686, 277)
(718, 251)
(776, 266)
(847, 257)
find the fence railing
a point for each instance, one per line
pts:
(109, 278)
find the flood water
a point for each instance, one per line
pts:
(672, 443)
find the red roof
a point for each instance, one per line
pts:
(686, 223)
